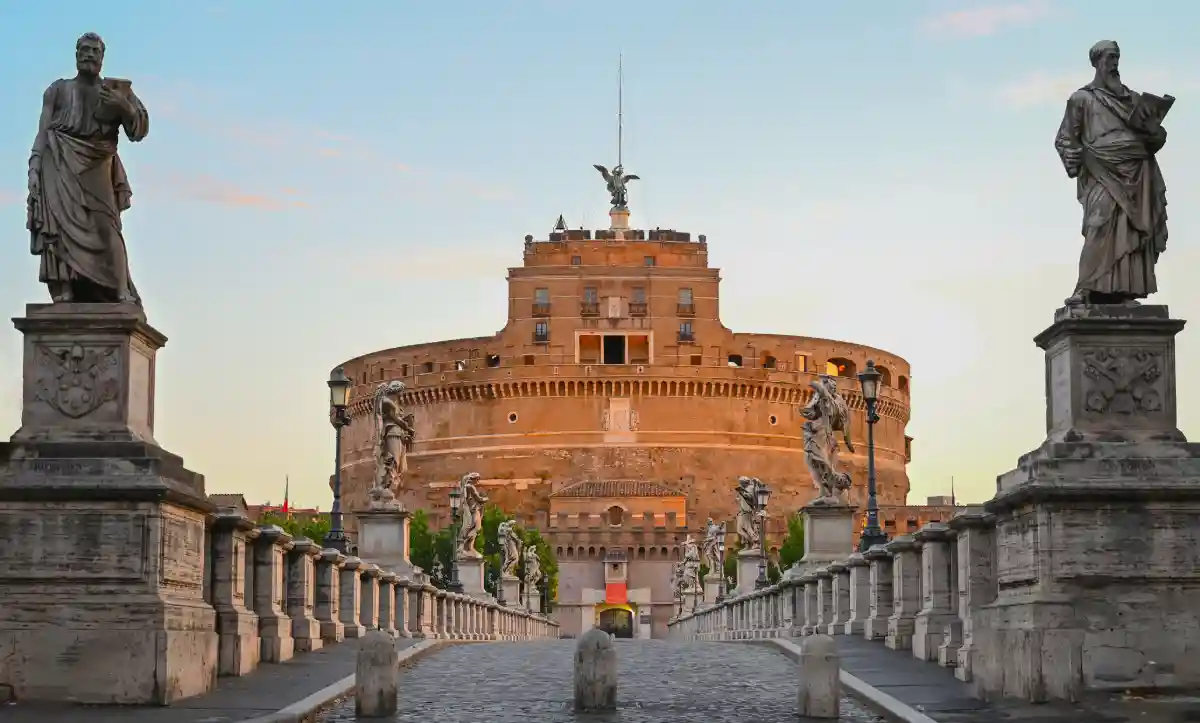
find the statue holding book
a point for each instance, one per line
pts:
(1107, 142)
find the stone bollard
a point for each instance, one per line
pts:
(375, 678)
(820, 684)
(595, 672)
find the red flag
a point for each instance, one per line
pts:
(286, 485)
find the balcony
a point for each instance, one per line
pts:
(589, 308)
(685, 310)
(686, 337)
(541, 310)
(637, 308)
(541, 337)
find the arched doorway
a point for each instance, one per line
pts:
(617, 621)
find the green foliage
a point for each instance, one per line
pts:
(427, 548)
(731, 558)
(792, 548)
(314, 529)
(488, 543)
(546, 560)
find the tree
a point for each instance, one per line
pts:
(314, 528)
(426, 548)
(792, 549)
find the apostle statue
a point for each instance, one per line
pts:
(748, 515)
(690, 569)
(394, 435)
(1107, 142)
(510, 547)
(472, 514)
(711, 546)
(826, 414)
(77, 184)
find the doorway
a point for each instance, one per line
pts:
(617, 622)
(614, 349)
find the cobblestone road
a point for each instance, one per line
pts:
(660, 682)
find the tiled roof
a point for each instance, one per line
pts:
(228, 501)
(617, 488)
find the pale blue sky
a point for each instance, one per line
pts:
(322, 180)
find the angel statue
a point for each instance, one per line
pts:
(690, 572)
(533, 569)
(394, 435)
(711, 548)
(616, 180)
(826, 414)
(472, 514)
(748, 515)
(510, 547)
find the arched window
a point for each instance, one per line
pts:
(838, 367)
(903, 384)
(885, 375)
(616, 516)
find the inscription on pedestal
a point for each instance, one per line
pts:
(72, 546)
(182, 552)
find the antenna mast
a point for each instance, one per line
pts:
(620, 103)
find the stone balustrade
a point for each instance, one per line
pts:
(277, 597)
(918, 592)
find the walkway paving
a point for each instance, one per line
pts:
(659, 682)
(934, 691)
(270, 688)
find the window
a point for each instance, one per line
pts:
(529, 360)
(649, 261)
(685, 296)
(616, 515)
(735, 360)
(685, 331)
(685, 306)
(427, 368)
(838, 367)
(801, 362)
(903, 384)
(697, 360)
(403, 370)
(541, 296)
(768, 362)
(637, 295)
(541, 332)
(493, 360)
(590, 296)
(885, 375)
(576, 261)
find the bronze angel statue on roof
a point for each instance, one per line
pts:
(616, 180)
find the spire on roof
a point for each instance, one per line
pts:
(560, 224)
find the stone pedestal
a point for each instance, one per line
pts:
(692, 599)
(938, 591)
(511, 585)
(619, 218)
(383, 539)
(747, 570)
(470, 574)
(103, 571)
(1097, 530)
(828, 535)
(533, 600)
(712, 587)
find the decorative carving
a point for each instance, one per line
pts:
(1122, 380)
(76, 380)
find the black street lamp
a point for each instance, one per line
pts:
(455, 583)
(871, 534)
(721, 557)
(762, 495)
(339, 394)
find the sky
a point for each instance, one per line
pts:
(323, 180)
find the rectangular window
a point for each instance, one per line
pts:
(685, 296)
(649, 261)
(541, 296)
(590, 296)
(541, 331)
(801, 362)
(697, 360)
(637, 295)
(576, 261)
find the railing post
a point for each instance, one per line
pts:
(906, 592)
(270, 594)
(327, 602)
(880, 560)
(402, 607)
(387, 596)
(237, 625)
(368, 602)
(840, 602)
(860, 594)
(930, 625)
(301, 589)
(976, 579)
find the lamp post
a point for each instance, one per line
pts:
(871, 534)
(455, 583)
(762, 495)
(339, 394)
(721, 557)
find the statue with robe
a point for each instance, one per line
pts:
(533, 569)
(748, 516)
(690, 568)
(77, 183)
(510, 547)
(826, 415)
(471, 523)
(711, 547)
(1108, 141)
(394, 435)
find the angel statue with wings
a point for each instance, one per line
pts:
(827, 414)
(394, 435)
(472, 515)
(616, 180)
(510, 547)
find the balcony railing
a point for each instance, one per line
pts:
(541, 310)
(685, 310)
(637, 308)
(589, 308)
(686, 337)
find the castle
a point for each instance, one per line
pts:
(614, 412)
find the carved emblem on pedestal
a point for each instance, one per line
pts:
(1122, 380)
(76, 380)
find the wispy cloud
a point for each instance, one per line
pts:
(983, 20)
(222, 193)
(1040, 88)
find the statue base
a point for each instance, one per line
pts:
(470, 574)
(384, 500)
(828, 535)
(712, 587)
(533, 600)
(511, 587)
(104, 532)
(384, 540)
(692, 600)
(619, 218)
(1103, 517)
(748, 563)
